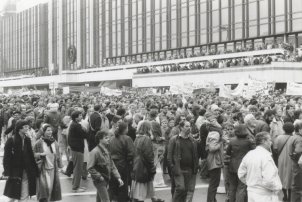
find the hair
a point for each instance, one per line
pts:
(116, 118)
(122, 126)
(269, 113)
(75, 115)
(121, 112)
(288, 127)
(202, 111)
(298, 125)
(261, 137)
(100, 135)
(297, 114)
(288, 107)
(153, 114)
(19, 125)
(144, 128)
(97, 107)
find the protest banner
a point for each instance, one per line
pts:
(294, 88)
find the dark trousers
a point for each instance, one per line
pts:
(184, 187)
(237, 191)
(296, 195)
(117, 193)
(78, 160)
(172, 181)
(102, 191)
(213, 184)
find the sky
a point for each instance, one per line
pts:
(23, 4)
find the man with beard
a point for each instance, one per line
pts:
(183, 161)
(263, 125)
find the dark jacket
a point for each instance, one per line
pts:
(11, 128)
(95, 122)
(174, 155)
(76, 137)
(122, 151)
(238, 147)
(143, 150)
(15, 161)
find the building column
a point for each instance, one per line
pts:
(61, 48)
(92, 29)
(50, 30)
(79, 35)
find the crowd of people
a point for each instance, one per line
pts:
(121, 142)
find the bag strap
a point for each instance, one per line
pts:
(283, 146)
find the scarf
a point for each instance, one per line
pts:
(49, 142)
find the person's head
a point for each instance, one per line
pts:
(253, 110)
(298, 114)
(165, 109)
(153, 114)
(116, 120)
(241, 130)
(279, 112)
(164, 123)
(210, 116)
(102, 137)
(298, 126)
(17, 115)
(263, 139)
(250, 121)
(171, 122)
(202, 111)
(47, 131)
(185, 127)
(97, 108)
(144, 128)
(268, 116)
(112, 106)
(288, 128)
(122, 129)
(228, 128)
(22, 127)
(76, 116)
(290, 109)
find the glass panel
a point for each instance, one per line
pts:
(252, 18)
(297, 15)
(238, 19)
(264, 17)
(279, 16)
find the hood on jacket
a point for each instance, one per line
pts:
(241, 131)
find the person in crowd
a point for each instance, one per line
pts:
(105, 122)
(53, 117)
(282, 147)
(95, 122)
(277, 124)
(259, 172)
(238, 147)
(48, 158)
(251, 124)
(131, 130)
(19, 165)
(289, 113)
(263, 125)
(16, 115)
(183, 161)
(76, 138)
(214, 148)
(112, 112)
(115, 122)
(143, 165)
(122, 153)
(101, 167)
(296, 151)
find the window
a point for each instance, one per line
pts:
(297, 15)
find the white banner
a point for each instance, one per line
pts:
(294, 89)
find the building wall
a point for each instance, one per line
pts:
(110, 31)
(23, 41)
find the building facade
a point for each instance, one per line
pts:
(23, 42)
(80, 34)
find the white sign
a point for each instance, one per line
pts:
(294, 89)
(66, 90)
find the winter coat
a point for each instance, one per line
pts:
(296, 148)
(42, 187)
(143, 152)
(262, 126)
(238, 147)
(174, 155)
(15, 161)
(214, 146)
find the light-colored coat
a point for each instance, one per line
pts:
(42, 188)
(259, 172)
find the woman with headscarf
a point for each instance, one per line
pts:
(49, 160)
